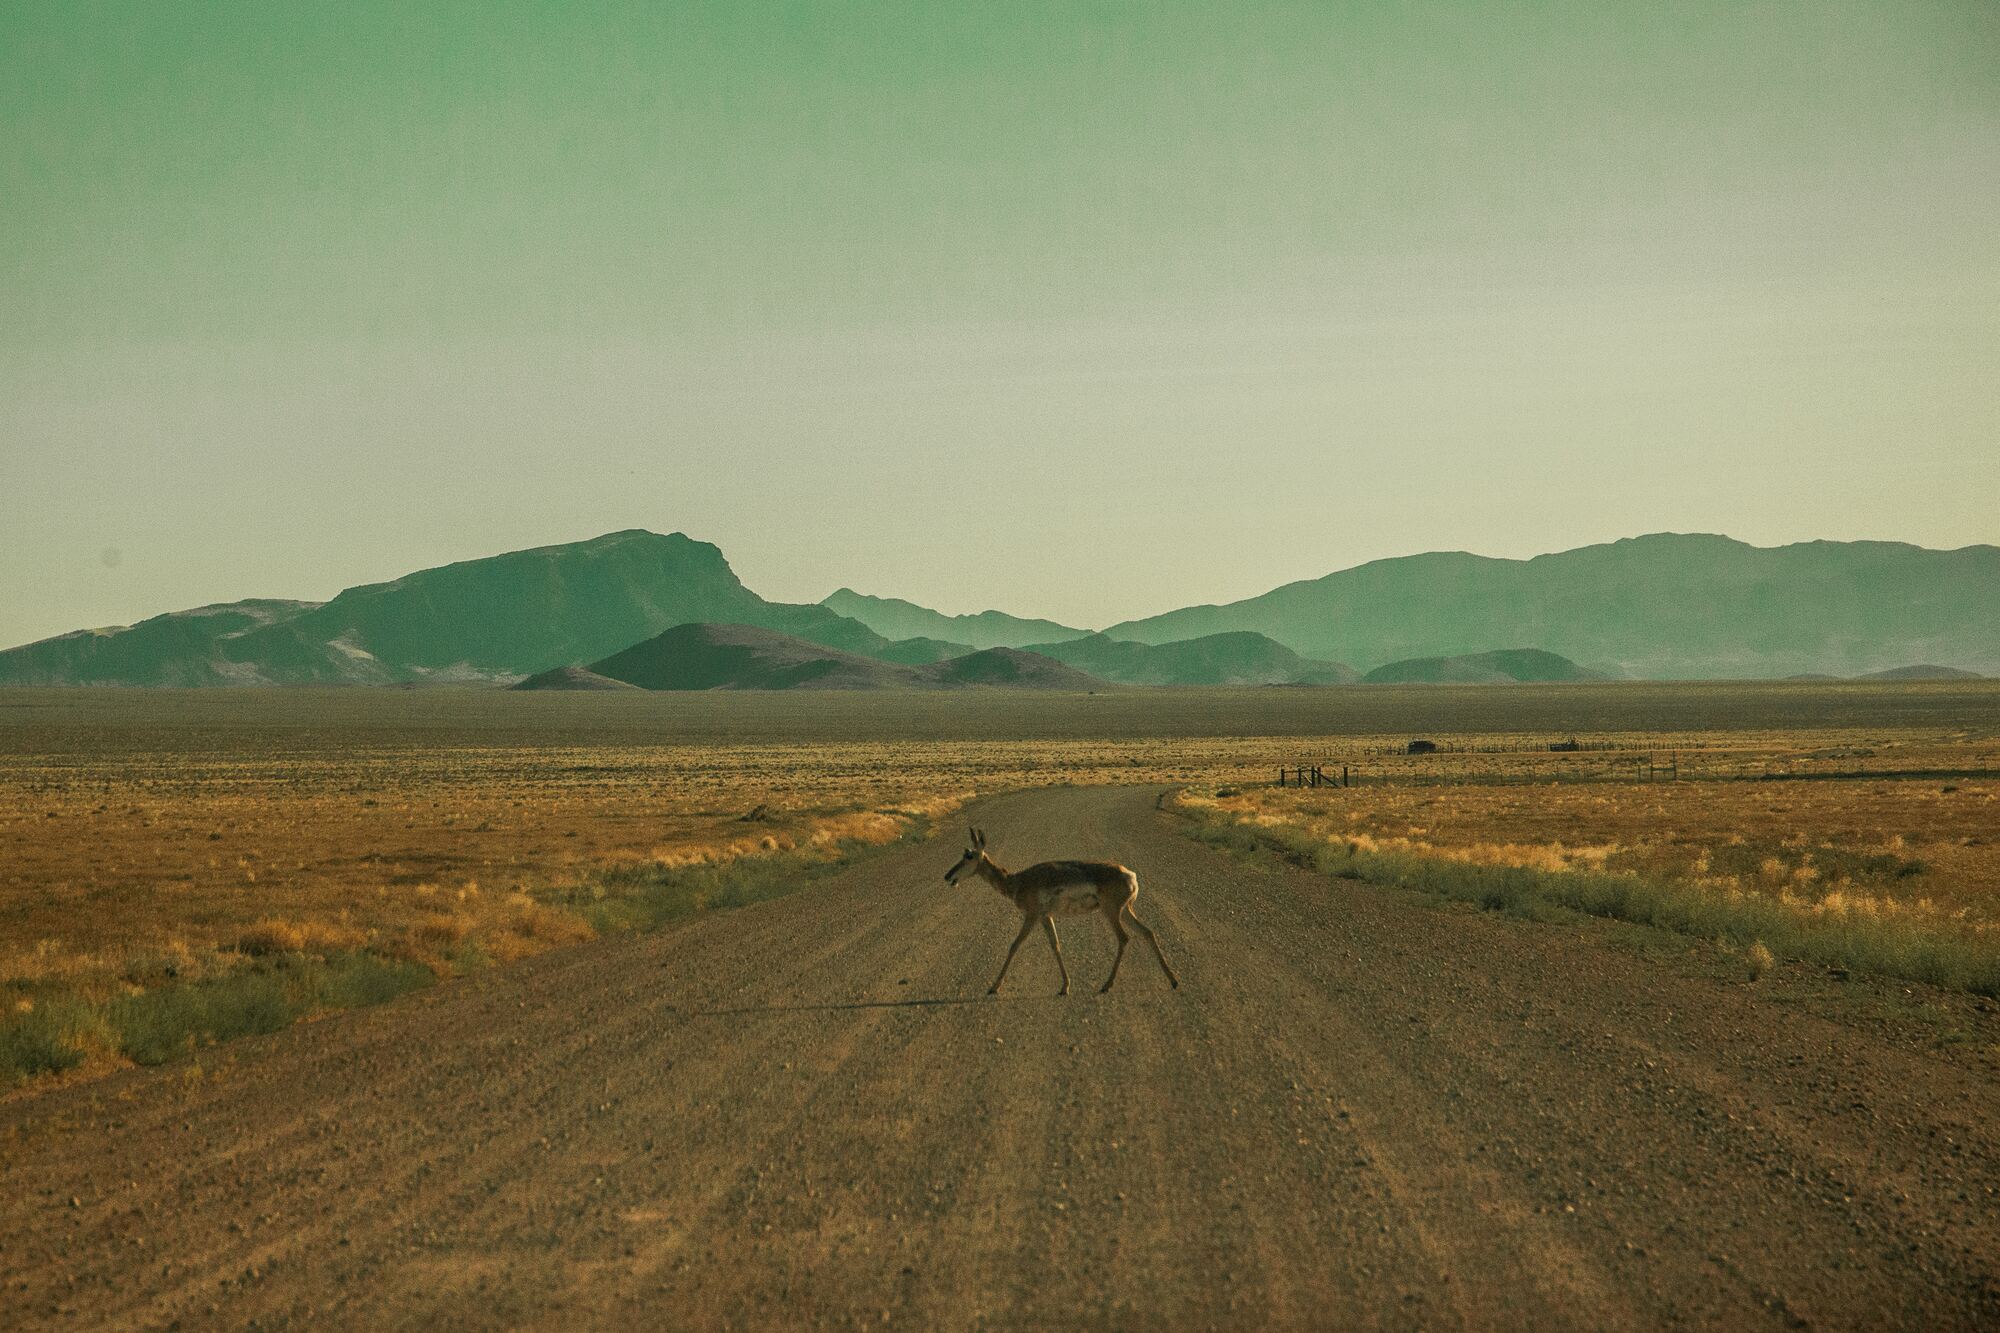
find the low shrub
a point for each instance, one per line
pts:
(156, 1025)
(354, 980)
(272, 936)
(1759, 958)
(148, 1027)
(46, 1036)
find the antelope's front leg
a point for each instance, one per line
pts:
(1027, 925)
(1049, 924)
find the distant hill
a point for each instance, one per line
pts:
(747, 657)
(898, 619)
(1660, 607)
(1239, 658)
(921, 652)
(1504, 666)
(1923, 671)
(570, 678)
(492, 619)
(1012, 668)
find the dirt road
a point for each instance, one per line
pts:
(1357, 1110)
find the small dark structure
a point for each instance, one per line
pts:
(1570, 746)
(1421, 747)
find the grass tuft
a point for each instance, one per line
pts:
(1759, 958)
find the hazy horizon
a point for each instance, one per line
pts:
(1081, 312)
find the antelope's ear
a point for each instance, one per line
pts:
(982, 840)
(978, 840)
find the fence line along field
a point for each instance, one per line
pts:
(319, 847)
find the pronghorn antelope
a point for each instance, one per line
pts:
(1062, 888)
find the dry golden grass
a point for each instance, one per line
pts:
(1759, 958)
(271, 936)
(409, 854)
(1923, 847)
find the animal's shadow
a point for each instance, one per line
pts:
(927, 1002)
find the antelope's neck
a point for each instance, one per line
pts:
(991, 872)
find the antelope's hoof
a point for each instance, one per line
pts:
(992, 990)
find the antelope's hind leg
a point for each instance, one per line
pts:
(1049, 924)
(1124, 938)
(1153, 940)
(1027, 925)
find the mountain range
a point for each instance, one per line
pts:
(1661, 607)
(493, 619)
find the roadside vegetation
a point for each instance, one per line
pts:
(277, 971)
(53, 1029)
(1864, 909)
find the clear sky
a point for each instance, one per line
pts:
(1078, 310)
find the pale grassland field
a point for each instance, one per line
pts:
(156, 842)
(1856, 844)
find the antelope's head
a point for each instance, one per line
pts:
(974, 854)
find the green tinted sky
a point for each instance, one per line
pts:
(1085, 310)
